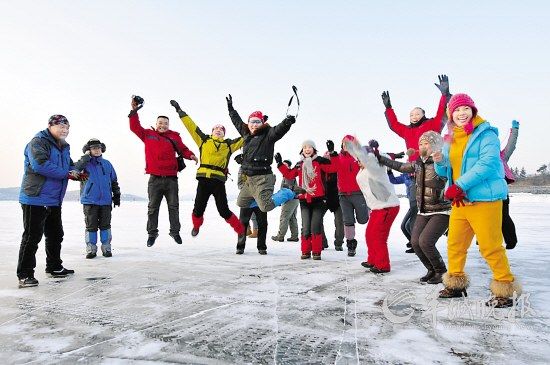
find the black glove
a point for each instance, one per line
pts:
(176, 106)
(386, 99)
(443, 85)
(239, 159)
(373, 144)
(229, 103)
(330, 146)
(290, 119)
(116, 201)
(278, 158)
(396, 156)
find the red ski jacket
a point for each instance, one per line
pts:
(411, 133)
(160, 156)
(320, 164)
(346, 168)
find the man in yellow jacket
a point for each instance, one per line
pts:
(215, 152)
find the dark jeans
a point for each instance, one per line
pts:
(426, 232)
(207, 187)
(97, 216)
(159, 187)
(312, 217)
(261, 217)
(338, 228)
(38, 221)
(508, 227)
(407, 224)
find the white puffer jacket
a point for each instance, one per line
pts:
(374, 182)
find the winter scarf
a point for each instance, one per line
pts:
(308, 173)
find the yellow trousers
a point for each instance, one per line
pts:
(484, 220)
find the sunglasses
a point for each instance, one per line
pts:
(255, 121)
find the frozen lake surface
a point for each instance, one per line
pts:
(200, 303)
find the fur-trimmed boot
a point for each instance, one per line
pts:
(503, 293)
(197, 223)
(455, 286)
(236, 224)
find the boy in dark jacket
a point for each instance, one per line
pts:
(96, 195)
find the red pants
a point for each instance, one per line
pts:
(378, 230)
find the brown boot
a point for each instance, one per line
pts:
(254, 234)
(455, 286)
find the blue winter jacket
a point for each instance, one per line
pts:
(482, 174)
(46, 168)
(98, 189)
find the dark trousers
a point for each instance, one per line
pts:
(508, 226)
(261, 217)
(39, 221)
(426, 232)
(407, 224)
(207, 187)
(97, 216)
(312, 217)
(338, 228)
(159, 187)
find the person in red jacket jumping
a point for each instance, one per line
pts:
(352, 201)
(161, 164)
(312, 204)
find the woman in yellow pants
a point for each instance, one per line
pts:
(471, 163)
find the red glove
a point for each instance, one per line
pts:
(456, 195)
(76, 176)
(83, 176)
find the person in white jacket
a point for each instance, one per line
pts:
(381, 199)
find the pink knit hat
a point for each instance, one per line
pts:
(462, 100)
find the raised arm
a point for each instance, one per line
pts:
(396, 165)
(196, 134)
(391, 118)
(236, 144)
(506, 153)
(277, 132)
(236, 119)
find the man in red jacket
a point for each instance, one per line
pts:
(162, 166)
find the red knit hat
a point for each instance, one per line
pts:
(257, 114)
(348, 137)
(460, 100)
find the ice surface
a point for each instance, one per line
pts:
(201, 303)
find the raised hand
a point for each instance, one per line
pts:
(229, 100)
(515, 124)
(330, 146)
(443, 85)
(386, 99)
(278, 158)
(175, 105)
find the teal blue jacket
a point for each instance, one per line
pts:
(482, 175)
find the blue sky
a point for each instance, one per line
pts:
(85, 60)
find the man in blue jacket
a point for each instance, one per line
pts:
(46, 173)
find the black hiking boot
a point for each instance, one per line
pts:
(293, 239)
(305, 256)
(377, 270)
(278, 239)
(194, 232)
(430, 274)
(436, 279)
(28, 282)
(176, 237)
(239, 251)
(151, 240)
(338, 247)
(367, 265)
(91, 255)
(262, 252)
(107, 254)
(59, 273)
(352, 245)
